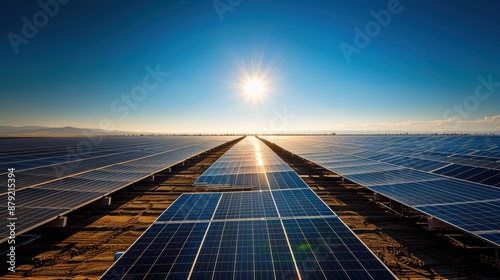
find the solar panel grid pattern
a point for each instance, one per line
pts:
(51, 176)
(244, 250)
(257, 234)
(244, 205)
(472, 216)
(326, 249)
(250, 163)
(164, 249)
(446, 192)
(300, 203)
(191, 207)
(282, 180)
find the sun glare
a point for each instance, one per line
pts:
(254, 88)
(255, 78)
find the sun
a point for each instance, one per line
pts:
(255, 77)
(254, 88)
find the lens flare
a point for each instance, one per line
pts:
(254, 88)
(256, 78)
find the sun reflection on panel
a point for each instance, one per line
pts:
(258, 153)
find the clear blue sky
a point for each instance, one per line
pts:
(412, 74)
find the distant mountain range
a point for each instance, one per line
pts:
(70, 131)
(67, 131)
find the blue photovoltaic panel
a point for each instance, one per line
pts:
(255, 180)
(244, 250)
(80, 184)
(164, 251)
(30, 217)
(250, 163)
(492, 181)
(390, 177)
(426, 153)
(325, 248)
(279, 232)
(444, 188)
(285, 180)
(191, 207)
(109, 175)
(300, 203)
(493, 236)
(244, 205)
(437, 192)
(372, 167)
(44, 198)
(52, 175)
(472, 216)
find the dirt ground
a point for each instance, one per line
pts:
(85, 248)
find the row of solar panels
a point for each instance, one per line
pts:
(40, 167)
(273, 233)
(57, 196)
(248, 248)
(478, 150)
(246, 205)
(251, 163)
(35, 152)
(474, 159)
(471, 207)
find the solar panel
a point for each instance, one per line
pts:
(316, 248)
(162, 250)
(244, 205)
(30, 217)
(325, 248)
(389, 177)
(477, 217)
(191, 207)
(254, 249)
(365, 168)
(280, 232)
(78, 178)
(285, 180)
(255, 180)
(300, 203)
(451, 200)
(44, 198)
